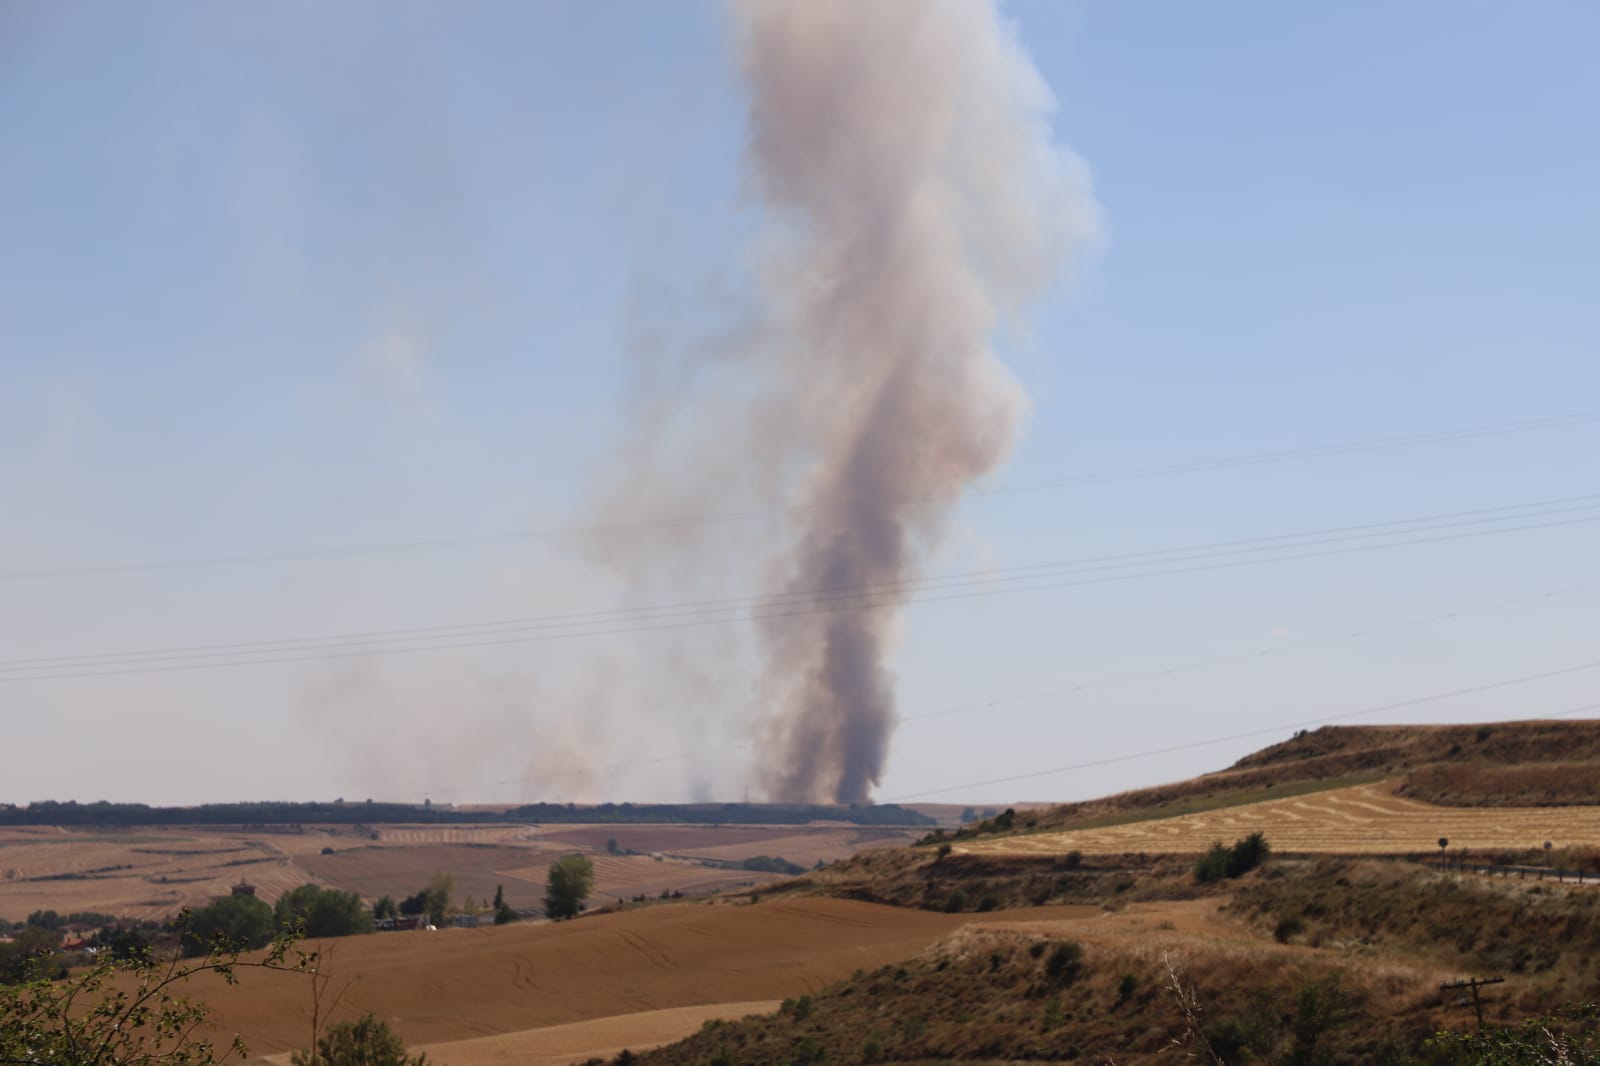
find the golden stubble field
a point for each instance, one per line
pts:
(1360, 820)
(151, 873)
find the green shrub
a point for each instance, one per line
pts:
(1319, 1006)
(1065, 963)
(1247, 854)
(1222, 861)
(367, 1041)
(1288, 928)
(809, 1049)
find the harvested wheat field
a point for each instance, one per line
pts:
(805, 845)
(463, 984)
(142, 873)
(1363, 819)
(152, 873)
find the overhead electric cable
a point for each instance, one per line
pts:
(649, 619)
(1576, 419)
(990, 579)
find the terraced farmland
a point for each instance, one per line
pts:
(1363, 819)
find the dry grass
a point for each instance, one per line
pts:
(1544, 937)
(1016, 995)
(1554, 784)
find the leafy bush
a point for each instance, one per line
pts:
(1570, 1036)
(367, 1041)
(1065, 963)
(1213, 866)
(1319, 1006)
(1247, 854)
(1288, 928)
(123, 1012)
(1222, 861)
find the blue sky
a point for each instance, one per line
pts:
(283, 278)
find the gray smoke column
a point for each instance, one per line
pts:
(901, 151)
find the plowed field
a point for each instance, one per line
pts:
(462, 984)
(1364, 819)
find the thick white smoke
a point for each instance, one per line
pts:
(902, 152)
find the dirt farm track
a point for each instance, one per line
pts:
(1363, 819)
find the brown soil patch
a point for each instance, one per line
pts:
(1364, 819)
(804, 845)
(602, 1038)
(461, 984)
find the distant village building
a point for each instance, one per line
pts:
(75, 935)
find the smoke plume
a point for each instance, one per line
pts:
(901, 153)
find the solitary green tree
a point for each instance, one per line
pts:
(503, 913)
(566, 887)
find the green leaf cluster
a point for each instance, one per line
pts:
(322, 912)
(1222, 861)
(125, 1011)
(567, 885)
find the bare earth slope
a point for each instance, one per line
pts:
(460, 984)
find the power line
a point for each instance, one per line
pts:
(1250, 734)
(1577, 419)
(1038, 577)
(1073, 689)
(1256, 655)
(989, 579)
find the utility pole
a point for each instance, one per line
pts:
(1473, 983)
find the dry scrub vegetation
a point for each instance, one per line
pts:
(1544, 935)
(995, 995)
